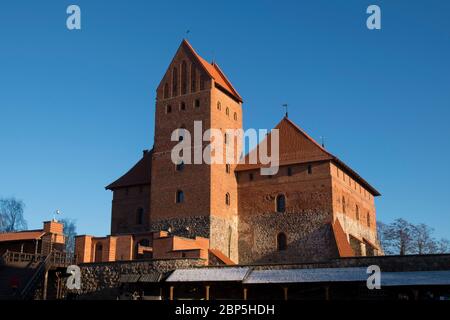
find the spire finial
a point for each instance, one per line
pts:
(285, 105)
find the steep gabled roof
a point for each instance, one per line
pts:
(214, 72)
(296, 146)
(139, 174)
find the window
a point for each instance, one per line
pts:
(202, 82)
(168, 108)
(184, 78)
(180, 196)
(193, 79)
(140, 216)
(180, 166)
(228, 168)
(289, 171)
(174, 82)
(197, 103)
(166, 90)
(250, 176)
(343, 204)
(182, 106)
(281, 203)
(368, 219)
(219, 106)
(225, 138)
(235, 116)
(281, 242)
(309, 169)
(227, 199)
(357, 212)
(227, 111)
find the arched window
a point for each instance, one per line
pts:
(180, 196)
(193, 79)
(219, 106)
(357, 212)
(166, 90)
(140, 216)
(202, 82)
(281, 203)
(182, 106)
(174, 82)
(343, 204)
(281, 242)
(227, 111)
(168, 108)
(227, 199)
(184, 78)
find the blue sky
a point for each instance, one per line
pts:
(77, 107)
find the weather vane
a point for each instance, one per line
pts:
(285, 105)
(57, 213)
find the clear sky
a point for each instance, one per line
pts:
(77, 107)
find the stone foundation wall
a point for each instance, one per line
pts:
(188, 227)
(104, 277)
(224, 236)
(309, 237)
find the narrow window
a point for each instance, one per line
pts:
(180, 196)
(184, 78)
(281, 203)
(225, 138)
(193, 79)
(168, 108)
(227, 111)
(309, 169)
(250, 176)
(227, 199)
(235, 116)
(228, 168)
(281, 242)
(289, 171)
(368, 219)
(219, 106)
(202, 83)
(140, 216)
(357, 212)
(180, 166)
(182, 106)
(343, 204)
(166, 90)
(197, 103)
(174, 82)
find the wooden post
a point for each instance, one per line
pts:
(207, 292)
(245, 293)
(171, 293)
(327, 293)
(285, 289)
(44, 291)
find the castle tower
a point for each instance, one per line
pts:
(195, 199)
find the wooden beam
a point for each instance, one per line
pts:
(171, 293)
(285, 290)
(245, 293)
(207, 292)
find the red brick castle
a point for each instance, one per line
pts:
(314, 209)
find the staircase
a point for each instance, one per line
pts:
(21, 273)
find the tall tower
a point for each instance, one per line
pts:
(195, 199)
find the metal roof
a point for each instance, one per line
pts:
(307, 275)
(151, 277)
(415, 278)
(208, 274)
(129, 278)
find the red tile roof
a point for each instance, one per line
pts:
(343, 246)
(296, 146)
(219, 255)
(214, 72)
(139, 174)
(21, 235)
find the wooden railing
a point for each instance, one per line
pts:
(11, 256)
